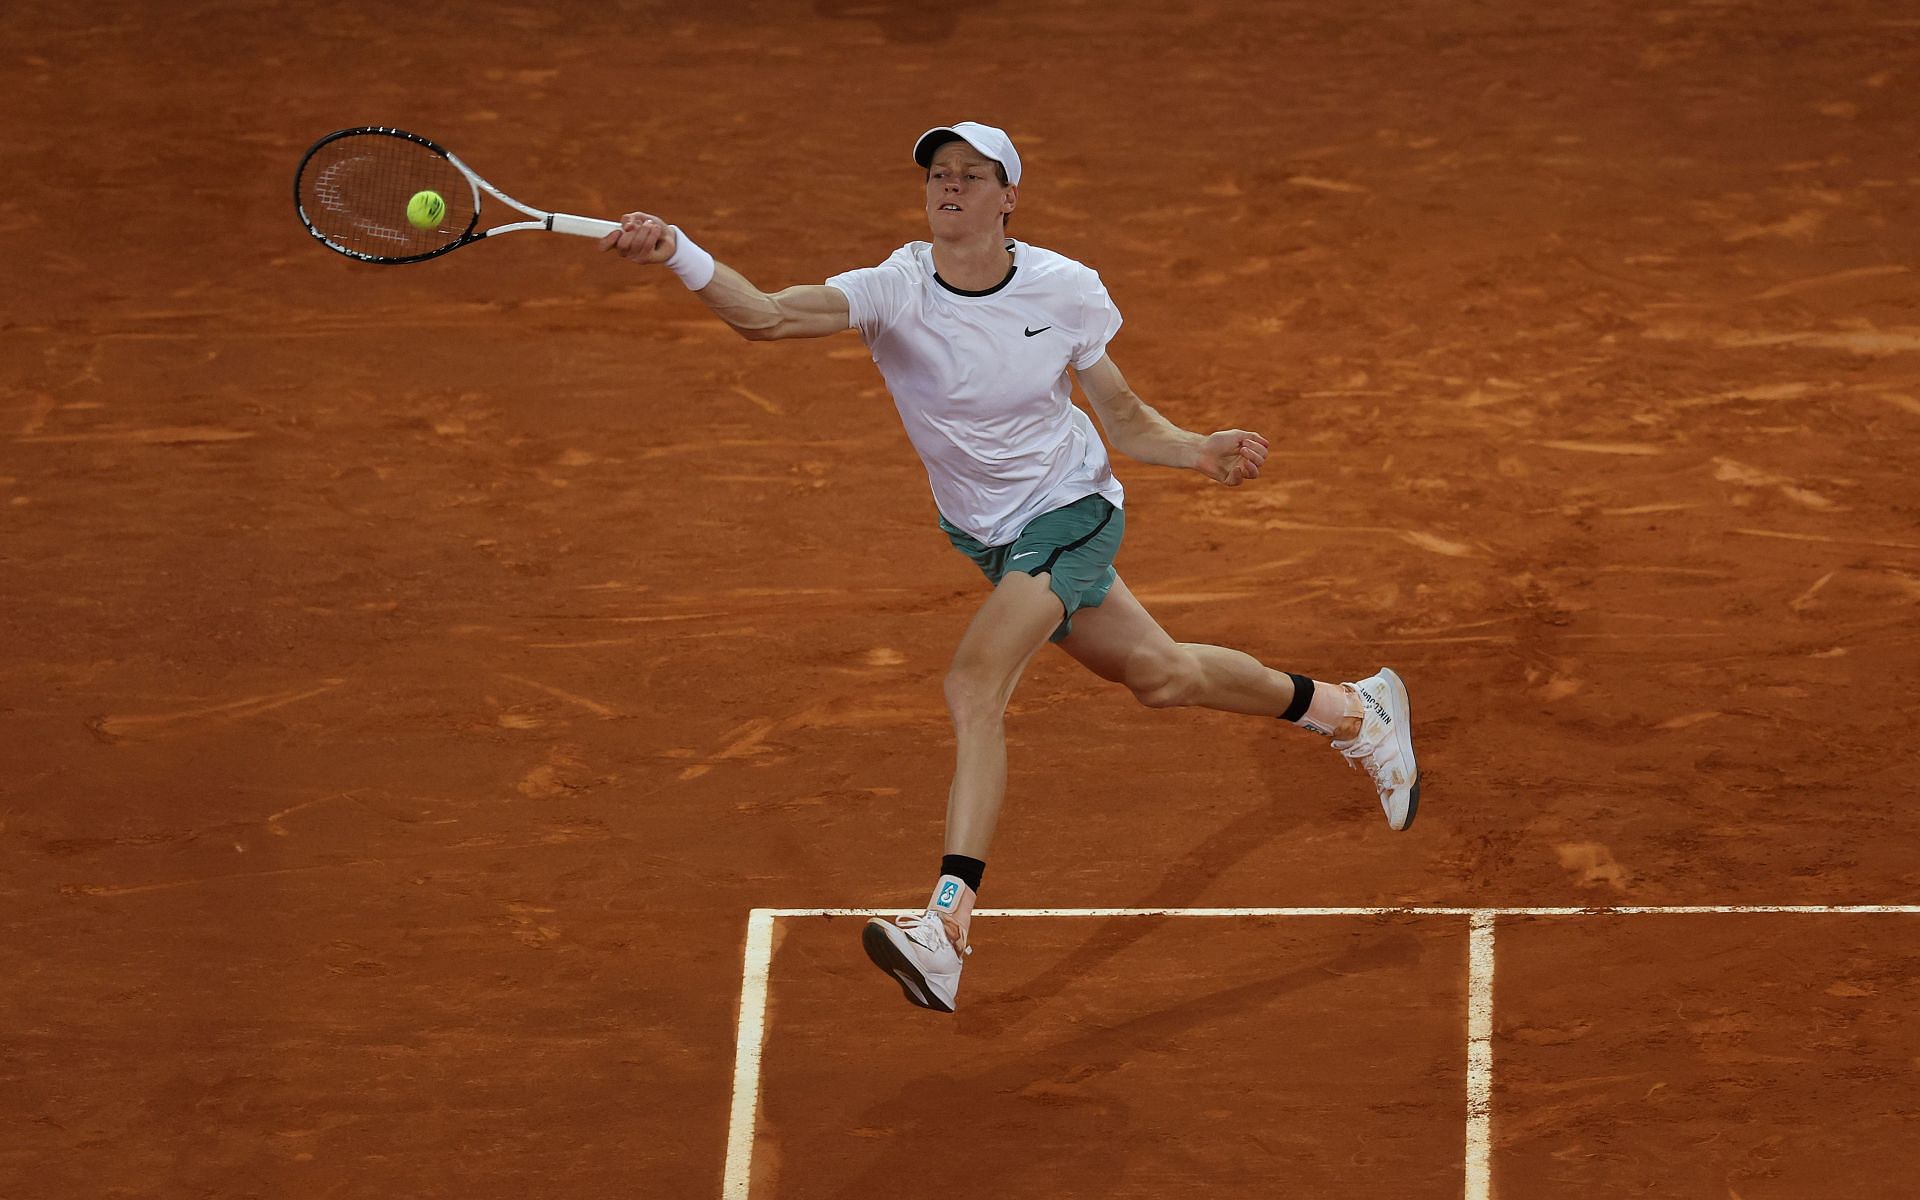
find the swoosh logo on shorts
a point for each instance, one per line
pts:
(1037, 332)
(1028, 554)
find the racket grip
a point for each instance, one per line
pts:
(581, 226)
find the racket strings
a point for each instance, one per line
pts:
(354, 193)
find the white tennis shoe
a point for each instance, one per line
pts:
(1384, 745)
(919, 953)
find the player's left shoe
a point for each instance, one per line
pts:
(1384, 745)
(921, 953)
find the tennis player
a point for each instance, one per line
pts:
(980, 338)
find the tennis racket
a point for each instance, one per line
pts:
(353, 188)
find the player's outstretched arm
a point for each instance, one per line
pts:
(1231, 456)
(807, 311)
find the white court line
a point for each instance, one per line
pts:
(748, 1041)
(1618, 910)
(758, 961)
(1480, 1057)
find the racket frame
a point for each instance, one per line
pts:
(550, 222)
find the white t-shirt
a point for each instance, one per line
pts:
(980, 379)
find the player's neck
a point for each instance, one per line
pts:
(973, 264)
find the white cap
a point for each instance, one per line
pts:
(994, 143)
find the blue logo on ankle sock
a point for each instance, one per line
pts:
(949, 894)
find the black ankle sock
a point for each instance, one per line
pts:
(967, 870)
(1302, 696)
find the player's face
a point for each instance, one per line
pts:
(964, 192)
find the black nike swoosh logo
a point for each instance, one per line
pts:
(1039, 331)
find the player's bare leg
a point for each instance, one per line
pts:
(925, 952)
(1120, 641)
(1002, 639)
(1369, 721)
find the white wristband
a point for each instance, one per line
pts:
(693, 265)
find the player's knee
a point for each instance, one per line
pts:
(972, 694)
(1164, 678)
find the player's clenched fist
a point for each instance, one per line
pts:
(1232, 456)
(642, 238)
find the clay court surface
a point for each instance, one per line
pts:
(411, 678)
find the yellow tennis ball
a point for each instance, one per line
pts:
(425, 210)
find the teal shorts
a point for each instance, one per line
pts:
(1073, 546)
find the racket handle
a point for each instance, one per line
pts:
(581, 226)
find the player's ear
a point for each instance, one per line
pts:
(1013, 194)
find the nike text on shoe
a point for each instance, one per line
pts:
(919, 954)
(1384, 745)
